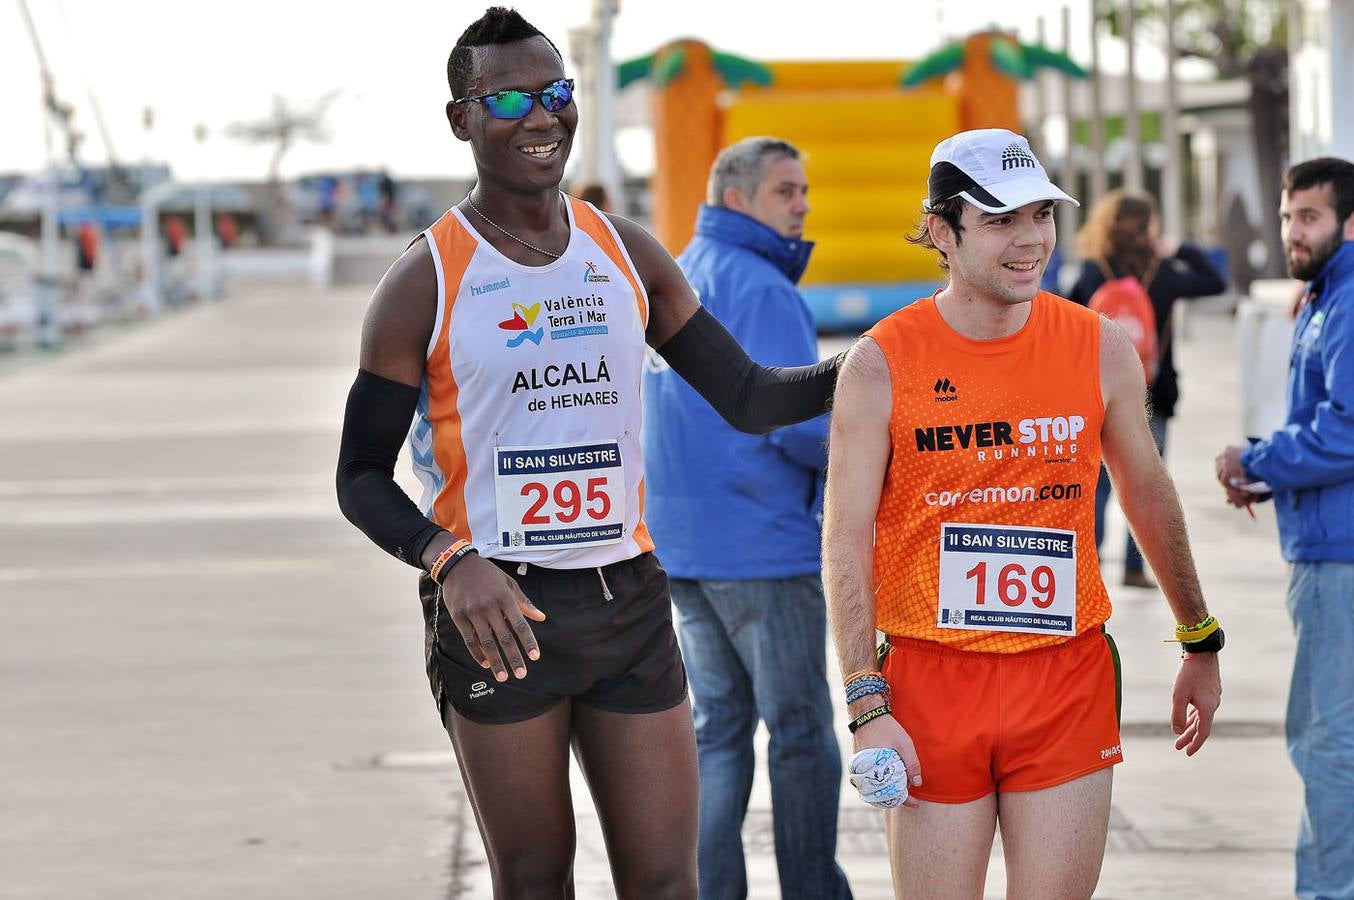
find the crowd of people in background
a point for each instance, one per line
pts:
(1122, 239)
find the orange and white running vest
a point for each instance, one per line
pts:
(985, 534)
(527, 434)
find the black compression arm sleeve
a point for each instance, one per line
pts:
(752, 398)
(375, 424)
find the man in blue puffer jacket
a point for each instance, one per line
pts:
(738, 521)
(1309, 464)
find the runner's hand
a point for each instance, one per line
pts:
(886, 732)
(880, 776)
(1197, 695)
(490, 611)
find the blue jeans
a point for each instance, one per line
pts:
(1132, 555)
(1320, 726)
(757, 650)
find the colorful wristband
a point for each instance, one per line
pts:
(867, 690)
(448, 558)
(1188, 634)
(862, 673)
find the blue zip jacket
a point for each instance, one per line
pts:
(721, 504)
(1310, 462)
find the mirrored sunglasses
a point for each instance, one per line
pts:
(517, 104)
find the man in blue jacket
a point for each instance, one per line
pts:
(738, 519)
(1309, 465)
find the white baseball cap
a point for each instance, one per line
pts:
(992, 168)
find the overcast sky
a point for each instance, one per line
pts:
(213, 64)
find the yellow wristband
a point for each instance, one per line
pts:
(1188, 634)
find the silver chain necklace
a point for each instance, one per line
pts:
(507, 232)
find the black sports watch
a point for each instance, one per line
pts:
(1211, 644)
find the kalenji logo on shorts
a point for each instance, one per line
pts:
(480, 689)
(1012, 494)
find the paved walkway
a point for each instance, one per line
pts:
(213, 685)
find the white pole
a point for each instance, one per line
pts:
(1132, 118)
(1340, 52)
(150, 246)
(1099, 177)
(1037, 128)
(608, 168)
(581, 46)
(202, 225)
(1172, 201)
(1069, 223)
(49, 331)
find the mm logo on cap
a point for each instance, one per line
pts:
(1017, 157)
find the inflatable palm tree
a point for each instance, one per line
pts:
(687, 77)
(988, 67)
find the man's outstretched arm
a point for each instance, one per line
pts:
(752, 398)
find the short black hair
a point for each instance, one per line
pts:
(1328, 170)
(951, 210)
(498, 25)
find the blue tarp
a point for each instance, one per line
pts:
(109, 217)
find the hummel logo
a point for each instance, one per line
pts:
(945, 390)
(1015, 157)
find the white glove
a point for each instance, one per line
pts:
(880, 776)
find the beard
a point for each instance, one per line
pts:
(1317, 255)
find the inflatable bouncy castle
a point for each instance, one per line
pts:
(866, 128)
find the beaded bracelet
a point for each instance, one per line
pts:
(863, 684)
(862, 678)
(866, 688)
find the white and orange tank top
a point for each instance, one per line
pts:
(985, 533)
(527, 435)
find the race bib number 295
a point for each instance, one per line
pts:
(569, 496)
(1008, 578)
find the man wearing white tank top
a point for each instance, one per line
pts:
(511, 335)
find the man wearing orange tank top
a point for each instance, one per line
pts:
(968, 432)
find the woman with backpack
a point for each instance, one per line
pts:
(1125, 258)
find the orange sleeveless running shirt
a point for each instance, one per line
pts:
(985, 534)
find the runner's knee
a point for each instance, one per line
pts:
(673, 878)
(531, 872)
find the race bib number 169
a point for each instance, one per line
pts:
(1008, 578)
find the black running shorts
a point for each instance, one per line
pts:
(618, 655)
